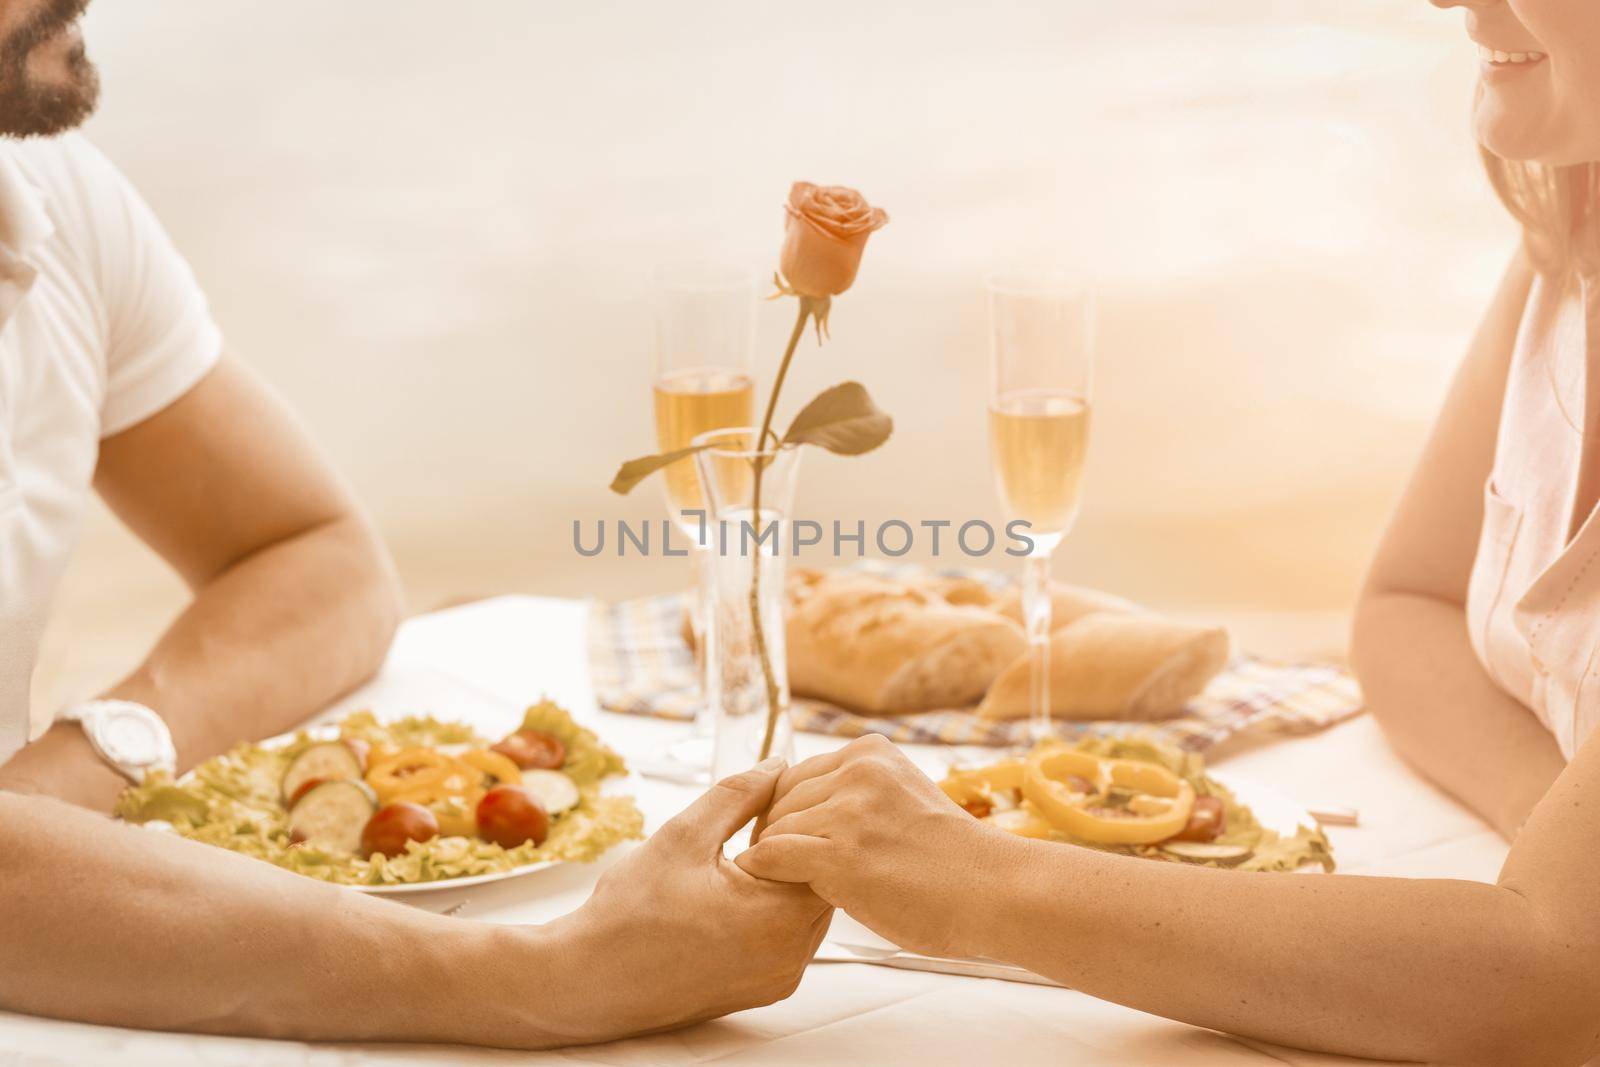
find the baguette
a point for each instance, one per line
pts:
(1114, 665)
(883, 647)
(1068, 604)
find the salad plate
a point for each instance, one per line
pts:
(405, 804)
(1139, 795)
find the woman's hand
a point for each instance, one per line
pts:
(875, 836)
(675, 933)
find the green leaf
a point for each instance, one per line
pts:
(843, 419)
(635, 471)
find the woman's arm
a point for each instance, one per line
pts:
(1409, 647)
(295, 599)
(1441, 971)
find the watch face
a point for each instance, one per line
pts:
(129, 738)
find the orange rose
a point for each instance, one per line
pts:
(824, 235)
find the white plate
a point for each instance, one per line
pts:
(455, 701)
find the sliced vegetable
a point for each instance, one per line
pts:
(331, 814)
(533, 750)
(393, 825)
(554, 790)
(495, 767)
(360, 749)
(975, 789)
(305, 787)
(1206, 851)
(1023, 821)
(1158, 808)
(1206, 821)
(325, 759)
(409, 769)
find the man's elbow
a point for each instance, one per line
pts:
(373, 601)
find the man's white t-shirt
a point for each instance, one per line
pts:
(101, 326)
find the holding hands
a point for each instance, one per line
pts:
(685, 933)
(874, 835)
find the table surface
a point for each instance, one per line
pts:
(486, 660)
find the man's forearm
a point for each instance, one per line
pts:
(111, 924)
(1444, 714)
(272, 639)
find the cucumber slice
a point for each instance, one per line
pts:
(1206, 851)
(332, 815)
(326, 759)
(553, 789)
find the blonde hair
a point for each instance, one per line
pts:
(1558, 208)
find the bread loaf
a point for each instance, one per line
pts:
(1068, 604)
(1116, 665)
(885, 647)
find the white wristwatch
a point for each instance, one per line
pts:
(129, 736)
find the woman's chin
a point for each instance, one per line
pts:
(1524, 135)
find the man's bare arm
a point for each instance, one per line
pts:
(295, 598)
(113, 924)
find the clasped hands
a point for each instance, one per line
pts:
(691, 935)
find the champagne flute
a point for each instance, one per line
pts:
(1041, 331)
(701, 380)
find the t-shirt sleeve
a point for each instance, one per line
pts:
(160, 338)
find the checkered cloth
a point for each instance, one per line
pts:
(641, 665)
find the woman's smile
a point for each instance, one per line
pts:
(1493, 57)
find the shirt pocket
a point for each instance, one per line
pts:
(1564, 637)
(1486, 590)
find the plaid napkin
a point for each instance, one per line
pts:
(641, 665)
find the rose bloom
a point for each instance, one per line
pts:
(824, 235)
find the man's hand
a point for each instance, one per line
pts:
(675, 933)
(875, 836)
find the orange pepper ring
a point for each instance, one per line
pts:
(1043, 784)
(422, 766)
(964, 787)
(493, 764)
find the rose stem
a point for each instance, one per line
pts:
(755, 507)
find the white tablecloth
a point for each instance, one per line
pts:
(487, 660)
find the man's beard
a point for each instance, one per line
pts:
(32, 109)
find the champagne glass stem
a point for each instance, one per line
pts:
(1036, 610)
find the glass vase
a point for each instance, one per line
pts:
(747, 543)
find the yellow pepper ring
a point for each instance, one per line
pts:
(407, 770)
(1044, 784)
(964, 787)
(494, 765)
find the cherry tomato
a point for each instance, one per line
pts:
(978, 807)
(392, 826)
(1206, 820)
(509, 815)
(533, 750)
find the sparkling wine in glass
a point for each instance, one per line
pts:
(1041, 357)
(701, 381)
(690, 402)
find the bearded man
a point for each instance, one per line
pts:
(114, 379)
